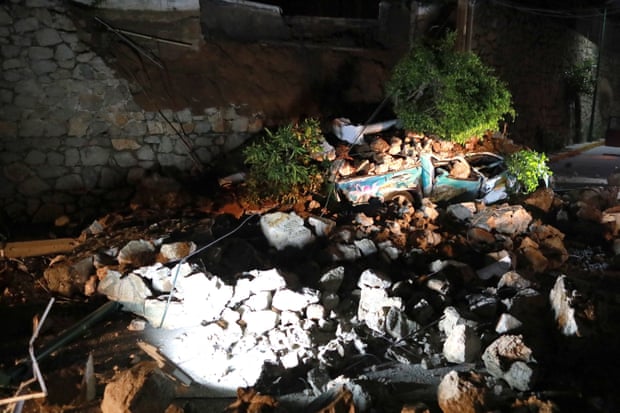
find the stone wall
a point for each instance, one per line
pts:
(72, 140)
(532, 53)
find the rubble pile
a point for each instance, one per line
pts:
(376, 154)
(408, 307)
(462, 301)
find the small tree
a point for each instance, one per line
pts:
(529, 168)
(452, 94)
(283, 166)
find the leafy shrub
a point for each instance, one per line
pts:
(282, 165)
(439, 91)
(579, 77)
(529, 167)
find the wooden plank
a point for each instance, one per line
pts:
(37, 248)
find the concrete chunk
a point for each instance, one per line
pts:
(462, 345)
(285, 230)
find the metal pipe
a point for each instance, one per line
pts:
(598, 71)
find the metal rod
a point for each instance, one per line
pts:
(130, 42)
(157, 39)
(598, 71)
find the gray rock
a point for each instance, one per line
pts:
(47, 37)
(500, 357)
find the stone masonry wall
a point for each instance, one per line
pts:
(532, 53)
(72, 141)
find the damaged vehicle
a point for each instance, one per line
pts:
(467, 177)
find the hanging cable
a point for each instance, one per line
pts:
(185, 259)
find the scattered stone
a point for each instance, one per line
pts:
(137, 253)
(462, 393)
(508, 358)
(462, 345)
(505, 219)
(507, 323)
(141, 389)
(541, 199)
(502, 263)
(570, 309)
(285, 230)
(175, 251)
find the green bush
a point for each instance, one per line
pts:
(438, 91)
(529, 168)
(283, 166)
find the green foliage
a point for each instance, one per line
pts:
(579, 78)
(282, 165)
(529, 167)
(452, 94)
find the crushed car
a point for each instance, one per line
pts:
(471, 176)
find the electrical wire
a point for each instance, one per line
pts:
(567, 13)
(198, 251)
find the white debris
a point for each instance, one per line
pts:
(315, 312)
(438, 285)
(560, 297)
(374, 306)
(288, 300)
(206, 297)
(137, 324)
(259, 322)
(373, 279)
(354, 134)
(506, 323)
(322, 226)
(161, 281)
(285, 230)
(260, 301)
(366, 246)
(462, 345)
(269, 280)
(130, 291)
(289, 360)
